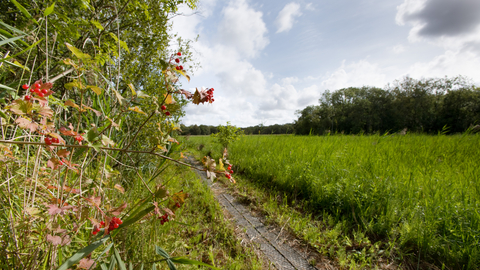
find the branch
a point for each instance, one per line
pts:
(106, 148)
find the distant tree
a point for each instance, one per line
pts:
(227, 134)
(195, 130)
(204, 130)
(424, 105)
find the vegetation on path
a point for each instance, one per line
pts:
(412, 198)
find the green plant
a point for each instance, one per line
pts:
(227, 134)
(418, 194)
(73, 149)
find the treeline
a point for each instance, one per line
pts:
(258, 129)
(449, 105)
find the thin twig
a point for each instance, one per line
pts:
(107, 148)
(61, 75)
(282, 229)
(141, 178)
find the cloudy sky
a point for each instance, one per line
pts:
(267, 59)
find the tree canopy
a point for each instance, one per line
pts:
(425, 105)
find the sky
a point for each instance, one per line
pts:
(268, 59)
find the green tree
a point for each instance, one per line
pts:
(227, 134)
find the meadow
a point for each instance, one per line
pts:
(419, 193)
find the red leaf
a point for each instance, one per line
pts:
(53, 209)
(66, 240)
(86, 264)
(53, 163)
(63, 153)
(55, 240)
(117, 211)
(27, 124)
(95, 201)
(67, 132)
(187, 94)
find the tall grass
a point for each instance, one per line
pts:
(421, 191)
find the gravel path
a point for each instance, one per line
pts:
(266, 238)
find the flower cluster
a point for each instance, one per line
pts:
(39, 89)
(167, 113)
(114, 223)
(163, 219)
(230, 171)
(209, 97)
(49, 141)
(177, 60)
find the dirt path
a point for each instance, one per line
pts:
(267, 238)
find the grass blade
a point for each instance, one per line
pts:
(182, 260)
(75, 258)
(24, 11)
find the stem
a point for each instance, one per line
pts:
(138, 131)
(109, 149)
(141, 178)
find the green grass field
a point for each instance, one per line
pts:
(420, 193)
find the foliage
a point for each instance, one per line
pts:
(418, 193)
(92, 94)
(426, 105)
(227, 134)
(258, 129)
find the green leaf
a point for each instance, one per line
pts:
(119, 97)
(23, 10)
(6, 87)
(78, 53)
(135, 218)
(29, 48)
(103, 252)
(10, 40)
(171, 265)
(97, 24)
(142, 95)
(121, 264)
(75, 258)
(72, 84)
(160, 251)
(183, 260)
(92, 134)
(95, 89)
(136, 109)
(13, 29)
(113, 262)
(183, 74)
(49, 10)
(107, 141)
(95, 146)
(2, 114)
(133, 89)
(123, 44)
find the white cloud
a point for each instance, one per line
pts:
(289, 80)
(206, 7)
(310, 7)
(186, 24)
(407, 8)
(243, 28)
(451, 63)
(398, 49)
(279, 98)
(286, 17)
(309, 96)
(357, 74)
